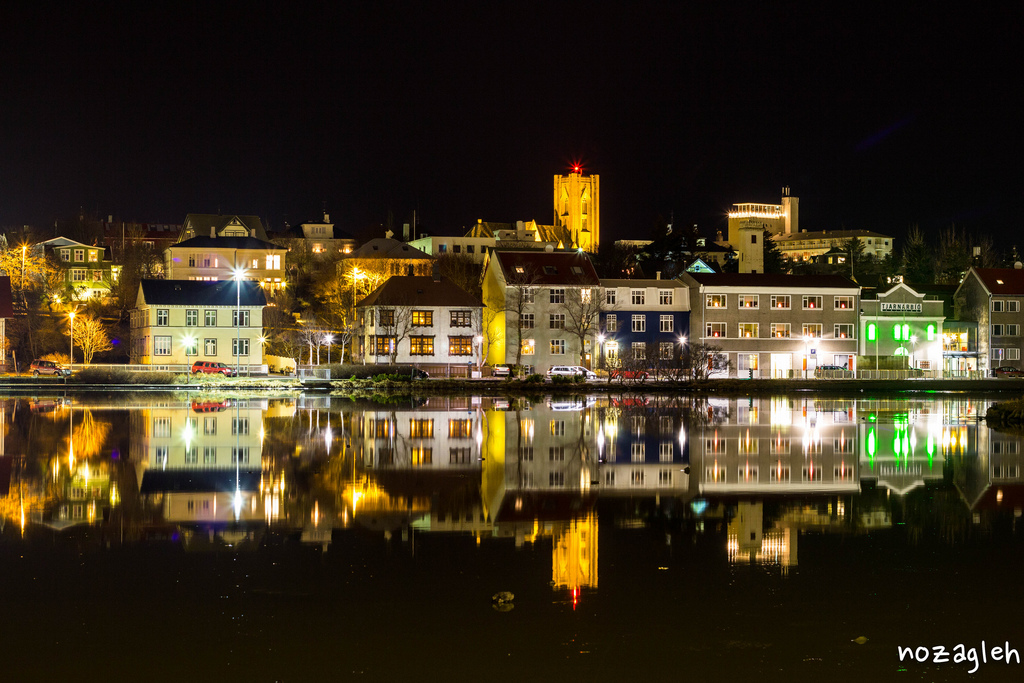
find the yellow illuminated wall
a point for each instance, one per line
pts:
(577, 208)
(574, 554)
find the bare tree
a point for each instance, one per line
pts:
(394, 322)
(583, 308)
(312, 335)
(90, 335)
(701, 360)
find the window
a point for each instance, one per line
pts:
(192, 317)
(526, 453)
(161, 346)
(812, 330)
(666, 350)
(639, 351)
(997, 306)
(460, 429)
(94, 256)
(1012, 354)
(239, 425)
(460, 456)
(666, 449)
(780, 330)
(748, 301)
(211, 318)
(239, 320)
(640, 323)
(529, 346)
(191, 345)
(667, 323)
(239, 455)
(528, 321)
(386, 318)
(997, 330)
(209, 455)
(556, 321)
(557, 427)
(749, 330)
(1013, 306)
(811, 302)
(556, 453)
(557, 296)
(715, 301)
(586, 295)
(1012, 330)
(460, 346)
(780, 301)
(239, 347)
(529, 295)
(556, 479)
(611, 323)
(97, 276)
(462, 318)
(421, 429)
(557, 347)
(665, 297)
(636, 477)
(273, 262)
(609, 297)
(162, 427)
(422, 318)
(714, 330)
(844, 331)
(470, 249)
(79, 255)
(421, 346)
(162, 317)
(65, 254)
(997, 354)
(843, 302)
(638, 297)
(779, 475)
(779, 446)
(210, 347)
(160, 455)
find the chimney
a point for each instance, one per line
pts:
(213, 231)
(327, 217)
(657, 275)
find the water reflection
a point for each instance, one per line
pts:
(754, 474)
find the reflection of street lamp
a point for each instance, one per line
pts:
(807, 344)
(237, 275)
(600, 351)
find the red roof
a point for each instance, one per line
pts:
(6, 300)
(539, 267)
(1002, 281)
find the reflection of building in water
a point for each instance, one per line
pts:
(202, 462)
(749, 543)
(779, 445)
(574, 554)
(902, 444)
(988, 477)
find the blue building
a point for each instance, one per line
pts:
(643, 320)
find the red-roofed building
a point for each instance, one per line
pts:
(993, 298)
(533, 299)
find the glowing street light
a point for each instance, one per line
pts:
(328, 339)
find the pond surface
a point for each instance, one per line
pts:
(790, 538)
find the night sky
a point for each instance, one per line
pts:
(875, 119)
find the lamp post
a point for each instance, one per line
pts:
(188, 341)
(71, 358)
(237, 275)
(913, 351)
(600, 352)
(329, 339)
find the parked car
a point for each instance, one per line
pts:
(206, 367)
(501, 371)
(629, 374)
(48, 367)
(1007, 371)
(571, 371)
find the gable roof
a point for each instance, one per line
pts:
(200, 224)
(202, 293)
(383, 247)
(1001, 281)
(66, 242)
(6, 298)
(419, 290)
(548, 267)
(766, 280)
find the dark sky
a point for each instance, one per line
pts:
(875, 118)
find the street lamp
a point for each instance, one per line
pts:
(237, 275)
(328, 339)
(71, 361)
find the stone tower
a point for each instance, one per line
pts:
(577, 208)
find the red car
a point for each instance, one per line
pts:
(630, 374)
(212, 368)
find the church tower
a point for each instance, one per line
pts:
(577, 208)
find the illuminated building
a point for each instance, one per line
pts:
(486, 236)
(314, 242)
(642, 321)
(183, 321)
(574, 554)
(88, 270)
(994, 299)
(901, 328)
(776, 325)
(215, 247)
(577, 208)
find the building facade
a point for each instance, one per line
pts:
(645, 321)
(88, 269)
(178, 322)
(426, 321)
(993, 298)
(578, 208)
(217, 247)
(902, 328)
(775, 325)
(538, 305)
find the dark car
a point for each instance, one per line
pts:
(48, 367)
(206, 367)
(1007, 371)
(829, 371)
